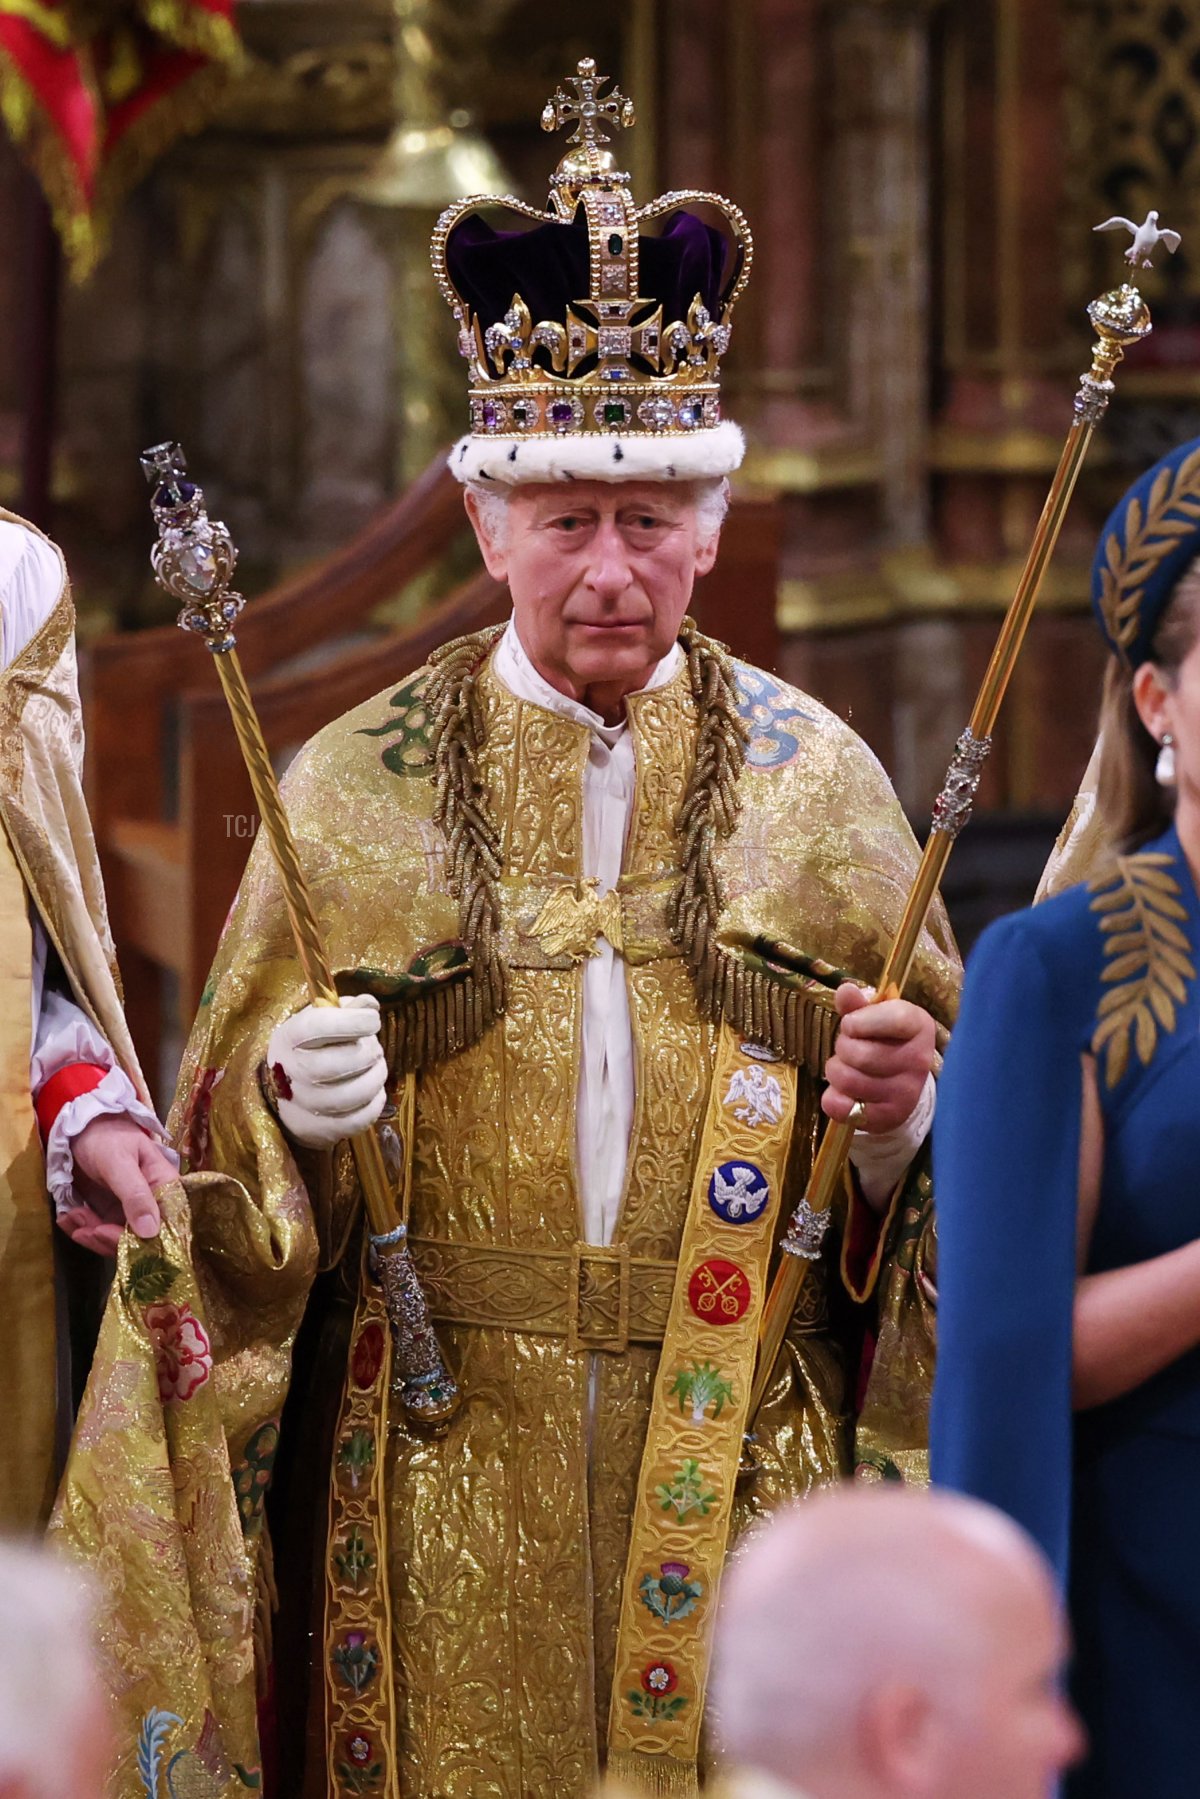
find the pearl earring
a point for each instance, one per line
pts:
(1164, 768)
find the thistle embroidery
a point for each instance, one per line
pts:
(702, 1386)
(356, 1660)
(687, 1492)
(671, 1594)
(1147, 960)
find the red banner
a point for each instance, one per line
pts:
(94, 91)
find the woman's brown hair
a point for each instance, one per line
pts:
(1134, 806)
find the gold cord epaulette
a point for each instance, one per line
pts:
(1147, 960)
(453, 1015)
(783, 1014)
(792, 1019)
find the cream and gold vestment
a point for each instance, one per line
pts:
(506, 1542)
(48, 870)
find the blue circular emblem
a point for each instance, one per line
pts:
(738, 1192)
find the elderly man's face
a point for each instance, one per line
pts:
(600, 574)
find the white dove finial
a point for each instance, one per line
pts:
(1146, 238)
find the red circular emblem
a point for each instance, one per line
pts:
(367, 1358)
(719, 1291)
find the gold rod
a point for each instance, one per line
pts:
(382, 1212)
(193, 561)
(1120, 318)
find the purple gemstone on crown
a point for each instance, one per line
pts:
(562, 412)
(490, 415)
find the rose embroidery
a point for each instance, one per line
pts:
(194, 1137)
(182, 1348)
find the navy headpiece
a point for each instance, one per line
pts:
(1150, 539)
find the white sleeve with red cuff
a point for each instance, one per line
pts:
(65, 1038)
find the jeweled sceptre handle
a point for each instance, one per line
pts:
(193, 561)
(1120, 318)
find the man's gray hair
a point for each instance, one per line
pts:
(47, 1674)
(710, 496)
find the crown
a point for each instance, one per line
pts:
(594, 347)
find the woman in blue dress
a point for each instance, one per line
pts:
(1067, 1168)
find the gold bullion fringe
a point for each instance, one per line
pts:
(432, 1026)
(789, 1020)
(634, 1776)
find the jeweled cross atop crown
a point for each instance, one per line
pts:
(588, 113)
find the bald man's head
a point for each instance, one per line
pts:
(879, 1640)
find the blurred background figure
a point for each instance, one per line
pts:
(55, 1739)
(885, 1643)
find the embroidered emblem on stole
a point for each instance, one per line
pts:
(685, 1491)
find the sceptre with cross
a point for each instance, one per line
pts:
(193, 561)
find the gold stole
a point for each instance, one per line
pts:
(360, 1692)
(27, 1342)
(685, 1491)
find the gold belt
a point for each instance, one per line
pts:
(594, 1297)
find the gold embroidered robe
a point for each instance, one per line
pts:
(47, 859)
(508, 1539)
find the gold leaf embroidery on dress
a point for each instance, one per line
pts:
(1172, 511)
(1147, 960)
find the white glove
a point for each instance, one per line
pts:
(328, 1070)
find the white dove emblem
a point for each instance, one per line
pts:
(1146, 238)
(734, 1198)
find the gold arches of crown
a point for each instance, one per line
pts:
(646, 375)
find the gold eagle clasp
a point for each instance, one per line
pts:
(574, 919)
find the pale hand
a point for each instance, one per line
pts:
(883, 1056)
(117, 1168)
(329, 1071)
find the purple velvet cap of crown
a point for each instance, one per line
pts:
(548, 267)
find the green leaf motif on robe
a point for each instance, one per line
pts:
(151, 1278)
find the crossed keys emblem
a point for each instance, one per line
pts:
(718, 1291)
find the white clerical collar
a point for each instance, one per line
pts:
(512, 667)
